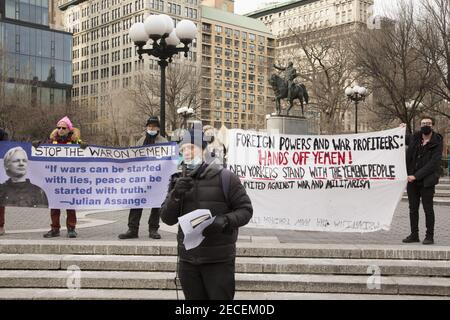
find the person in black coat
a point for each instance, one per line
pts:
(207, 271)
(150, 137)
(423, 158)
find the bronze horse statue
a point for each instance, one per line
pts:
(280, 89)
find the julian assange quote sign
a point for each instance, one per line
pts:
(93, 178)
(341, 183)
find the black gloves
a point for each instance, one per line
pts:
(36, 143)
(218, 226)
(83, 145)
(182, 186)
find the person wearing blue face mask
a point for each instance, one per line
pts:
(207, 271)
(423, 158)
(151, 136)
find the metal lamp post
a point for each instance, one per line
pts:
(185, 112)
(356, 94)
(165, 40)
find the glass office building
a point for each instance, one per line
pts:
(33, 57)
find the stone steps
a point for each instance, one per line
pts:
(135, 294)
(244, 249)
(435, 286)
(243, 264)
(31, 269)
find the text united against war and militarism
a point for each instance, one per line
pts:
(312, 163)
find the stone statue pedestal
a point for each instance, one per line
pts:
(288, 124)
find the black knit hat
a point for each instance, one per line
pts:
(194, 136)
(153, 120)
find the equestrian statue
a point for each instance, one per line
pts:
(286, 88)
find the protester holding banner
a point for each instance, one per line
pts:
(3, 137)
(65, 133)
(207, 271)
(423, 158)
(150, 137)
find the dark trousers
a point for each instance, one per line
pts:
(210, 281)
(416, 191)
(71, 219)
(2, 217)
(135, 216)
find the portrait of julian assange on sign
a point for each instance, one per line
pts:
(68, 177)
(17, 190)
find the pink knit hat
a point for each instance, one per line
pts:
(67, 121)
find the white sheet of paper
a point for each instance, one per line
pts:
(193, 224)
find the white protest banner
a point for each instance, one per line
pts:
(68, 177)
(341, 183)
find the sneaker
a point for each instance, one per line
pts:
(51, 234)
(2, 231)
(411, 238)
(428, 240)
(154, 234)
(71, 233)
(130, 234)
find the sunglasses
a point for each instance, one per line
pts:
(63, 128)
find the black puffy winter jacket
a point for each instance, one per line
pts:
(429, 172)
(208, 193)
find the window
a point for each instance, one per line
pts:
(218, 29)
(157, 4)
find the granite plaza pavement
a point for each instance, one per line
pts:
(28, 223)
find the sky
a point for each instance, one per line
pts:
(245, 6)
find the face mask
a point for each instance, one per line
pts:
(426, 130)
(152, 132)
(193, 163)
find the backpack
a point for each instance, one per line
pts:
(225, 178)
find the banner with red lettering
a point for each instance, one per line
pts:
(339, 183)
